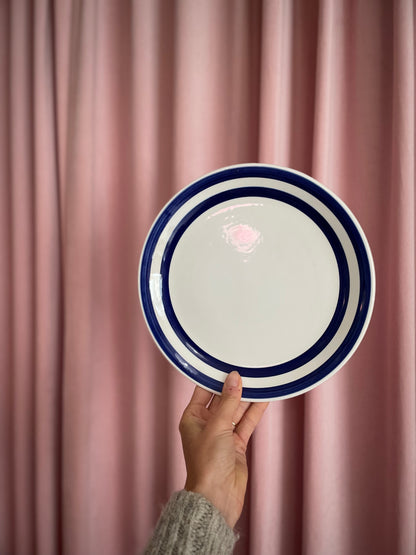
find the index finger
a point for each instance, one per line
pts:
(200, 397)
(242, 407)
(249, 421)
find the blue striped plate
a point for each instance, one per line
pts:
(259, 269)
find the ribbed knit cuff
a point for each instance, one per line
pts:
(191, 524)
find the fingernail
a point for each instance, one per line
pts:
(233, 379)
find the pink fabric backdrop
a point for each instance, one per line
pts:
(107, 108)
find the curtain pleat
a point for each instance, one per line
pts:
(107, 109)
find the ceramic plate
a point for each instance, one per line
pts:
(259, 269)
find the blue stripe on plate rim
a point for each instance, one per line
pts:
(366, 294)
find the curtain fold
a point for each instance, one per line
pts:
(109, 108)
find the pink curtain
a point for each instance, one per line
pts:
(106, 109)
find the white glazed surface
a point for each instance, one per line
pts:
(254, 282)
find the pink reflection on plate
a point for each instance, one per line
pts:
(242, 237)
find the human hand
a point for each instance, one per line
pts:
(215, 450)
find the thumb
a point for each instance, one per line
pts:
(230, 399)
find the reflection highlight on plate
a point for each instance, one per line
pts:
(234, 207)
(242, 237)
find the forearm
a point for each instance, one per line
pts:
(191, 524)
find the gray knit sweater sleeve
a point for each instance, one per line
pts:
(191, 524)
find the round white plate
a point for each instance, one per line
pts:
(258, 269)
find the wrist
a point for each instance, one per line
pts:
(221, 501)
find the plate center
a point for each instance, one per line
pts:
(254, 282)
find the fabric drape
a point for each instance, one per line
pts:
(107, 108)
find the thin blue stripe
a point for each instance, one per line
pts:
(332, 238)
